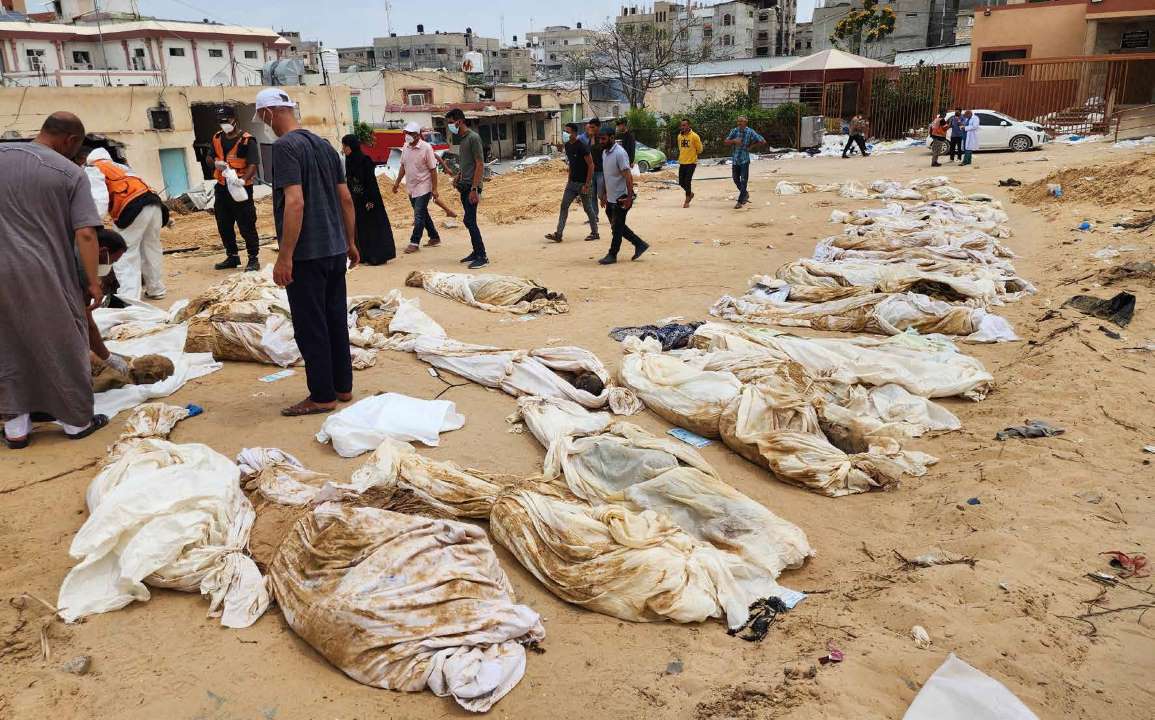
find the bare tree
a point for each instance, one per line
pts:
(644, 56)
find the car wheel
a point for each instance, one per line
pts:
(643, 166)
(1020, 143)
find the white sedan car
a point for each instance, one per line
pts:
(1002, 132)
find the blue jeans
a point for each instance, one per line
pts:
(421, 219)
(470, 220)
(741, 174)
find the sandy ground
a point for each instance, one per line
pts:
(1048, 507)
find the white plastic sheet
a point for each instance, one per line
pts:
(170, 343)
(957, 691)
(167, 515)
(362, 426)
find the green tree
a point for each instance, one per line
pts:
(364, 132)
(870, 24)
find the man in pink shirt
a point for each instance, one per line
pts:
(419, 165)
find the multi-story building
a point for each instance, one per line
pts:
(918, 24)
(554, 48)
(307, 51)
(73, 50)
(441, 51)
(803, 39)
(731, 29)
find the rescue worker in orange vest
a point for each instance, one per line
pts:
(236, 149)
(139, 214)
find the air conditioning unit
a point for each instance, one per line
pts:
(811, 130)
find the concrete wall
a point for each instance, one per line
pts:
(378, 88)
(121, 114)
(1046, 30)
(676, 97)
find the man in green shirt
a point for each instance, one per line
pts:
(471, 164)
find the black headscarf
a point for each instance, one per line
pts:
(356, 160)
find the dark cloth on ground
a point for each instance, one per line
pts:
(231, 215)
(374, 235)
(673, 336)
(44, 362)
(302, 158)
(1032, 429)
(1119, 309)
(317, 299)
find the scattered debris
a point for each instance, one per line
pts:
(1118, 309)
(691, 439)
(1140, 224)
(1005, 587)
(762, 614)
(800, 671)
(1032, 429)
(1149, 449)
(1129, 565)
(672, 336)
(974, 501)
(1090, 496)
(1110, 333)
(279, 375)
(1084, 226)
(957, 691)
(78, 665)
(833, 654)
(921, 637)
(1111, 252)
(1010, 182)
(674, 667)
(935, 558)
(1139, 270)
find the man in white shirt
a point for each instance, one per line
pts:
(419, 165)
(617, 196)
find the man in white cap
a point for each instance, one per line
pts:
(316, 228)
(419, 170)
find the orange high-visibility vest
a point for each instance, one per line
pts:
(234, 160)
(122, 187)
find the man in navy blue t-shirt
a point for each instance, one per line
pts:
(313, 211)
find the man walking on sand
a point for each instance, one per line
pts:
(859, 127)
(419, 165)
(958, 134)
(689, 148)
(590, 138)
(48, 228)
(316, 226)
(742, 138)
(471, 168)
(618, 196)
(578, 185)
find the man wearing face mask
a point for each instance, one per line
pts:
(471, 164)
(316, 225)
(579, 185)
(47, 221)
(236, 149)
(419, 165)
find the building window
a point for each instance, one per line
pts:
(82, 58)
(250, 54)
(176, 52)
(216, 53)
(35, 59)
(727, 19)
(402, 53)
(386, 53)
(457, 52)
(442, 51)
(763, 16)
(727, 39)
(534, 101)
(138, 59)
(420, 51)
(995, 63)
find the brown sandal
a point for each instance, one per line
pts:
(308, 407)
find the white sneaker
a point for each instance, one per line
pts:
(156, 295)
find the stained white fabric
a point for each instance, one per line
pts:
(362, 426)
(405, 602)
(495, 293)
(165, 515)
(537, 372)
(957, 691)
(169, 343)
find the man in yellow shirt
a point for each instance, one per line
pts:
(689, 147)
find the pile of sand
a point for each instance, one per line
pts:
(1127, 183)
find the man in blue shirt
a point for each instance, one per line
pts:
(314, 216)
(958, 134)
(742, 138)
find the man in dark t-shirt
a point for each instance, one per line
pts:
(626, 138)
(578, 184)
(313, 211)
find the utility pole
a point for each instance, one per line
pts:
(388, 19)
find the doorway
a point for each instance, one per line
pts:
(175, 172)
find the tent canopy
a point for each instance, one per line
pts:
(821, 67)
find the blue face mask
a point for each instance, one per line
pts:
(565, 136)
(453, 128)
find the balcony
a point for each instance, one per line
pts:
(82, 78)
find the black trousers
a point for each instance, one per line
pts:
(686, 176)
(956, 146)
(318, 301)
(854, 138)
(229, 212)
(469, 218)
(617, 215)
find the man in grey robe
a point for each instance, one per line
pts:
(48, 222)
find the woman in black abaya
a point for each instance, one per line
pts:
(374, 235)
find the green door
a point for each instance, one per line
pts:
(355, 108)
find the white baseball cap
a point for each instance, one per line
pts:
(273, 97)
(412, 127)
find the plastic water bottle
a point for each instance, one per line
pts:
(1055, 189)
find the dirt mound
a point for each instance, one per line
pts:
(1099, 184)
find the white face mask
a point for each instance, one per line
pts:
(453, 128)
(228, 127)
(411, 138)
(565, 136)
(102, 270)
